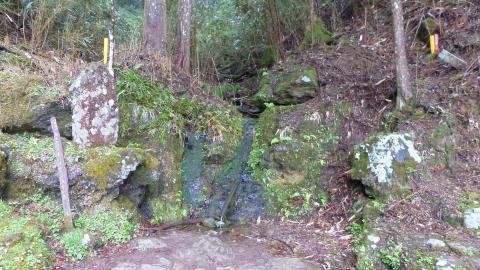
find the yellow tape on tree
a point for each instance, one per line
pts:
(105, 51)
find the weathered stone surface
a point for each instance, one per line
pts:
(94, 105)
(287, 87)
(472, 218)
(27, 103)
(291, 147)
(383, 163)
(190, 250)
(94, 174)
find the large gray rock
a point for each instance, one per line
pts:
(471, 218)
(383, 164)
(95, 175)
(294, 86)
(94, 105)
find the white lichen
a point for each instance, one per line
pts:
(387, 149)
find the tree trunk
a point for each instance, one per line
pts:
(155, 26)
(277, 33)
(404, 93)
(111, 36)
(183, 39)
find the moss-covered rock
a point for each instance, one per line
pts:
(383, 164)
(288, 155)
(27, 103)
(94, 174)
(22, 245)
(293, 85)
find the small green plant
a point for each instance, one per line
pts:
(110, 225)
(358, 232)
(269, 105)
(425, 260)
(75, 245)
(392, 255)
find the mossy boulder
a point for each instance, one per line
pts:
(22, 245)
(290, 150)
(95, 174)
(383, 163)
(289, 86)
(316, 34)
(27, 103)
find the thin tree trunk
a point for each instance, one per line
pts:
(183, 39)
(111, 35)
(277, 33)
(404, 93)
(155, 27)
(62, 175)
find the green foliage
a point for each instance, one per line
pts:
(168, 207)
(74, 244)
(159, 113)
(392, 255)
(222, 90)
(359, 234)
(23, 244)
(109, 225)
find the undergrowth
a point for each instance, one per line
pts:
(148, 107)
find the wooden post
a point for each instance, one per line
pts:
(62, 175)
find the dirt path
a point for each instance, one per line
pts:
(194, 249)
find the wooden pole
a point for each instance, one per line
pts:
(62, 175)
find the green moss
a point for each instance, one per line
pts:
(112, 226)
(289, 165)
(74, 245)
(22, 245)
(317, 34)
(168, 207)
(470, 200)
(21, 96)
(105, 163)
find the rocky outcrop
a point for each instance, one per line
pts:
(287, 87)
(290, 151)
(94, 105)
(27, 103)
(95, 174)
(383, 163)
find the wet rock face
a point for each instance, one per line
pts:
(94, 105)
(383, 163)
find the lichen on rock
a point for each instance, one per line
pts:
(382, 163)
(94, 105)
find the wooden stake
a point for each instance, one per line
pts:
(62, 175)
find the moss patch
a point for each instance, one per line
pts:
(316, 34)
(22, 245)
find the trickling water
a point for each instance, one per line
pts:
(234, 184)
